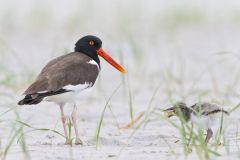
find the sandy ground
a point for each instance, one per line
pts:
(157, 139)
(190, 61)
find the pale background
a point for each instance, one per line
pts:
(188, 50)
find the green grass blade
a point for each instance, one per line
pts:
(102, 115)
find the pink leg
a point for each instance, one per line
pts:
(63, 118)
(74, 120)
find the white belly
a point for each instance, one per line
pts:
(205, 121)
(70, 97)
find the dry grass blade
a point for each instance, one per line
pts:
(133, 122)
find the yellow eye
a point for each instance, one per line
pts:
(91, 43)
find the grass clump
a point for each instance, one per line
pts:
(16, 131)
(193, 138)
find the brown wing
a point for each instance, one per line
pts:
(205, 108)
(71, 69)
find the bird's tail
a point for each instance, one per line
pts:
(38, 97)
(30, 100)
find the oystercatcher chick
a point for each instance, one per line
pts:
(204, 115)
(63, 78)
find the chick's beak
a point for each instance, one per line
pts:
(169, 112)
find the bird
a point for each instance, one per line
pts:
(64, 77)
(202, 114)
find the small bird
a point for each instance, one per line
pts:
(63, 78)
(202, 114)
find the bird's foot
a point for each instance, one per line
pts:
(68, 142)
(78, 141)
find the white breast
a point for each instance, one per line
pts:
(93, 63)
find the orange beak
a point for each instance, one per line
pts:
(104, 55)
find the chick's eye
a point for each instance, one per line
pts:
(91, 43)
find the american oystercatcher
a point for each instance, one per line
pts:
(63, 78)
(202, 114)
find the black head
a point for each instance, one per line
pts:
(179, 109)
(89, 46)
(92, 47)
